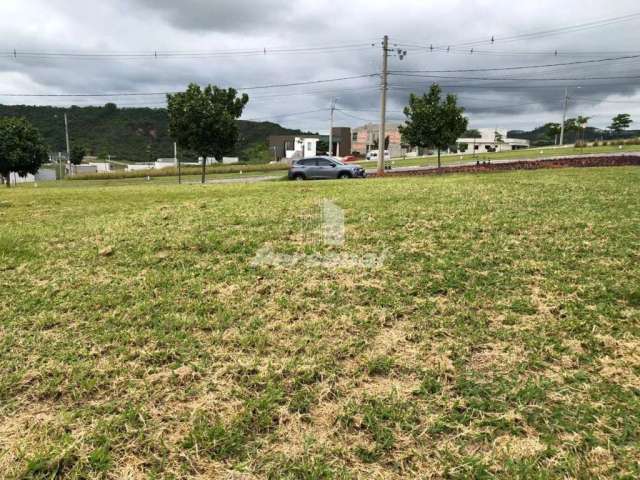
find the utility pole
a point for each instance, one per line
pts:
(333, 109)
(66, 132)
(564, 115)
(383, 105)
(175, 156)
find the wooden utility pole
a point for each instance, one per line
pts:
(66, 133)
(333, 109)
(383, 105)
(564, 115)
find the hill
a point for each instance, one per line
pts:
(135, 134)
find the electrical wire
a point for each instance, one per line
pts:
(523, 67)
(185, 54)
(539, 34)
(140, 94)
(502, 79)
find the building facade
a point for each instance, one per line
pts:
(365, 138)
(491, 140)
(293, 147)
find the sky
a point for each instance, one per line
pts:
(148, 47)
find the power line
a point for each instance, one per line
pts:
(502, 79)
(523, 67)
(293, 114)
(139, 94)
(185, 54)
(541, 34)
(417, 49)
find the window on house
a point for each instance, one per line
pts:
(354, 137)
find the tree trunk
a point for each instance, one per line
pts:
(7, 179)
(439, 158)
(204, 168)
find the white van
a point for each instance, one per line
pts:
(373, 155)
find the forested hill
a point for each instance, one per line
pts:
(135, 134)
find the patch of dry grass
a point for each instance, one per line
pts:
(499, 339)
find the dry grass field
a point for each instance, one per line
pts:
(499, 336)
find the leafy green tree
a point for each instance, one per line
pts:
(22, 149)
(433, 122)
(204, 121)
(552, 130)
(322, 146)
(259, 153)
(620, 123)
(581, 124)
(77, 154)
(473, 133)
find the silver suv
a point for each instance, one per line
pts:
(324, 168)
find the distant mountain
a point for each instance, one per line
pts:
(134, 134)
(538, 136)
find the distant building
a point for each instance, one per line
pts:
(341, 142)
(306, 146)
(365, 138)
(293, 147)
(43, 175)
(492, 140)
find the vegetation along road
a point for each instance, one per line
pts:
(497, 337)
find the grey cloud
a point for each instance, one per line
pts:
(222, 16)
(199, 25)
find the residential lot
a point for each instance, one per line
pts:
(498, 337)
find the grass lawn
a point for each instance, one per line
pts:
(500, 338)
(162, 180)
(533, 153)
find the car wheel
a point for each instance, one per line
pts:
(344, 175)
(299, 178)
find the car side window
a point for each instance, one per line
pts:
(306, 163)
(323, 162)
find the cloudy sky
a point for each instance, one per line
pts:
(77, 47)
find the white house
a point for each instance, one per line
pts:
(492, 140)
(101, 167)
(303, 148)
(43, 175)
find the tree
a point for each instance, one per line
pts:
(581, 124)
(77, 154)
(322, 146)
(386, 143)
(433, 122)
(552, 130)
(473, 133)
(205, 120)
(259, 153)
(22, 149)
(620, 123)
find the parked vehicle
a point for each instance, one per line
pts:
(373, 155)
(324, 168)
(350, 158)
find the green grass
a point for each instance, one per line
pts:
(213, 170)
(499, 338)
(533, 153)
